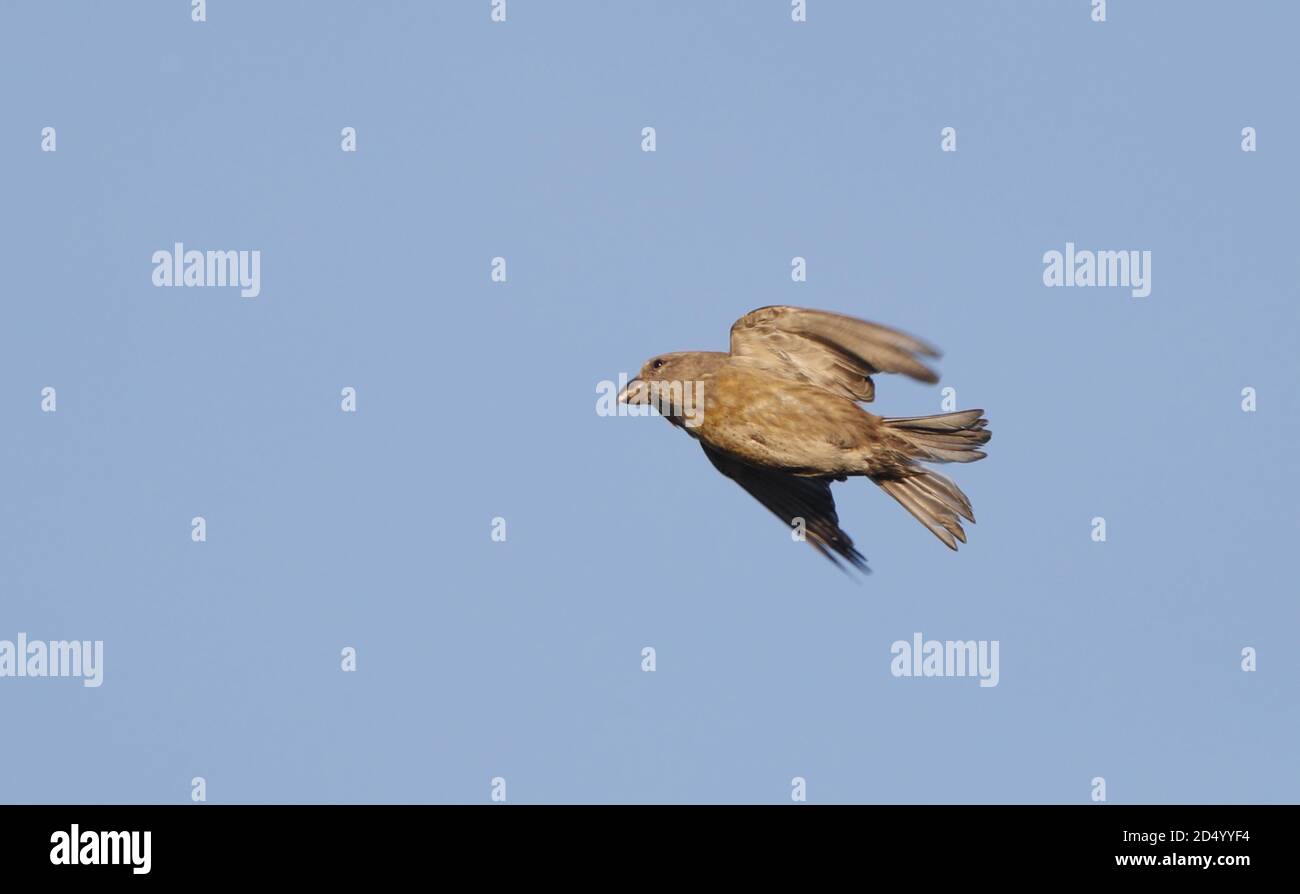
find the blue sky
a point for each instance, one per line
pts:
(522, 659)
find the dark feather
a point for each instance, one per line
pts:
(790, 497)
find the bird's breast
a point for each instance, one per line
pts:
(773, 422)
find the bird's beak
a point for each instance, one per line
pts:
(633, 393)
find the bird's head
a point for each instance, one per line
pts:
(674, 384)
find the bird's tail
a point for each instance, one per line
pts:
(946, 438)
(933, 499)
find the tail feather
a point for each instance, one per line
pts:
(946, 438)
(939, 506)
(948, 493)
(933, 499)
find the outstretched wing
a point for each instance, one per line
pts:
(790, 497)
(829, 350)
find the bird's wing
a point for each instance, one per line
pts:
(790, 497)
(825, 349)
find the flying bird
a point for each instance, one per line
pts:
(780, 416)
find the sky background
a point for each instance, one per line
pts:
(477, 399)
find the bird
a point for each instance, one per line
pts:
(780, 415)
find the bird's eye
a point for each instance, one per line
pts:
(658, 364)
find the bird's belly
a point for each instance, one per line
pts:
(780, 447)
(777, 423)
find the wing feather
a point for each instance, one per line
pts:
(790, 497)
(829, 350)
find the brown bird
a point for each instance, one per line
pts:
(779, 415)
